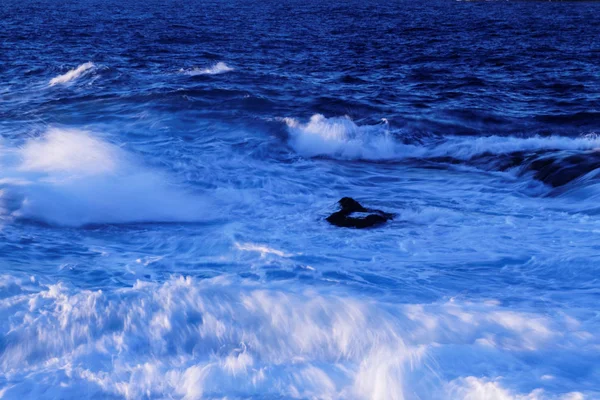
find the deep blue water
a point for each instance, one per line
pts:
(166, 168)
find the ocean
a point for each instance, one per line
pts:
(167, 168)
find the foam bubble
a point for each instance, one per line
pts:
(71, 177)
(218, 68)
(72, 74)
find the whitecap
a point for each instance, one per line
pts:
(218, 68)
(72, 74)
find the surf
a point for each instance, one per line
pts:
(200, 337)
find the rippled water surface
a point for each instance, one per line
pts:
(166, 168)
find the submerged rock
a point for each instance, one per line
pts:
(558, 171)
(349, 206)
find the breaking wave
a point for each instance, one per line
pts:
(340, 137)
(72, 74)
(554, 160)
(71, 177)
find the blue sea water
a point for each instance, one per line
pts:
(166, 168)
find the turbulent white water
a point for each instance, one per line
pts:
(164, 232)
(267, 300)
(197, 338)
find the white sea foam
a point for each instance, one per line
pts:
(340, 137)
(72, 177)
(472, 388)
(218, 68)
(72, 74)
(467, 147)
(196, 339)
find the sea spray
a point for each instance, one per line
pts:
(72, 177)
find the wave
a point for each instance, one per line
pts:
(555, 160)
(196, 339)
(72, 74)
(218, 68)
(70, 177)
(340, 137)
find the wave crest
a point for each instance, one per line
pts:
(72, 74)
(342, 138)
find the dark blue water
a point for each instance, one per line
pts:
(166, 168)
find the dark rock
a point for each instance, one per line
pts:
(348, 206)
(558, 171)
